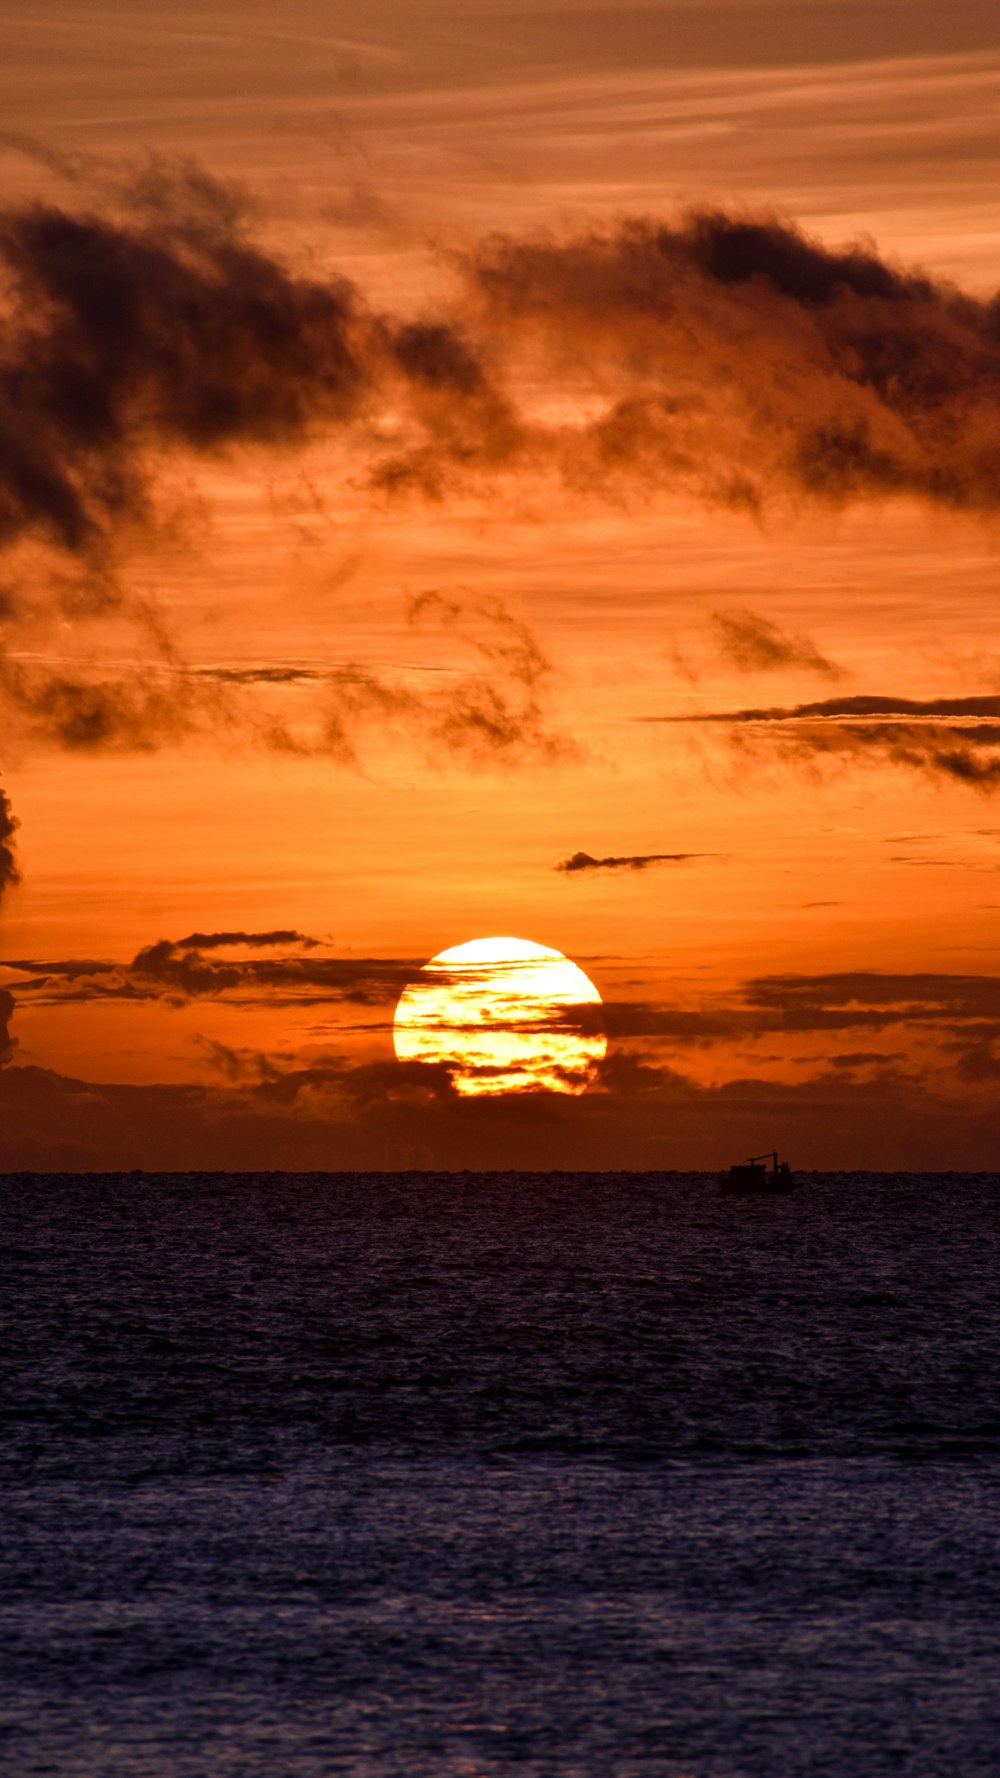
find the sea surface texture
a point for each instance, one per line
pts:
(582, 1476)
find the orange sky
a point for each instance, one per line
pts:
(358, 626)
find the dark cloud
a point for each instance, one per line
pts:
(9, 873)
(8, 1043)
(492, 716)
(685, 1026)
(162, 327)
(952, 738)
(748, 362)
(181, 969)
(753, 644)
(437, 357)
(582, 861)
(742, 360)
(978, 1062)
(124, 337)
(262, 675)
(863, 705)
(734, 250)
(949, 1009)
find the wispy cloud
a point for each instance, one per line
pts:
(491, 711)
(863, 705)
(753, 644)
(743, 641)
(952, 738)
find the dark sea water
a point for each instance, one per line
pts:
(596, 1476)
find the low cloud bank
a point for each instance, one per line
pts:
(858, 1106)
(384, 1116)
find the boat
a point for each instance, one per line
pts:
(753, 1178)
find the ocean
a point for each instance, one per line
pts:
(567, 1475)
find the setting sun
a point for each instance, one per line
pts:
(505, 1016)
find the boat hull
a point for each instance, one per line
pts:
(764, 1189)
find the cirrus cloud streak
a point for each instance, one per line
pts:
(950, 738)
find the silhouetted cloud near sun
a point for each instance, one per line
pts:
(180, 970)
(865, 994)
(944, 1011)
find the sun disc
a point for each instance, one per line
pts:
(504, 1015)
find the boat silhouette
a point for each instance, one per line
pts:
(753, 1178)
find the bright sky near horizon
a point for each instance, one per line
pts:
(468, 471)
